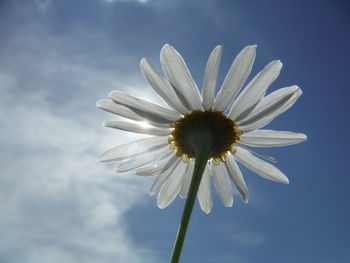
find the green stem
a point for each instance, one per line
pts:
(201, 162)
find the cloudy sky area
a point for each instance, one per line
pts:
(58, 204)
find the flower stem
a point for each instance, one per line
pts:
(200, 163)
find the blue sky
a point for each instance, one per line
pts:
(58, 204)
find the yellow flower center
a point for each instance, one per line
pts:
(210, 128)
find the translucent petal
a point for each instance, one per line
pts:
(165, 173)
(145, 109)
(204, 191)
(255, 90)
(151, 170)
(260, 155)
(134, 148)
(111, 106)
(223, 183)
(262, 168)
(264, 117)
(179, 76)
(162, 87)
(237, 177)
(235, 78)
(137, 128)
(172, 186)
(187, 180)
(170, 163)
(210, 77)
(270, 138)
(141, 160)
(269, 104)
(158, 166)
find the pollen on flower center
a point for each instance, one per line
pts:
(210, 128)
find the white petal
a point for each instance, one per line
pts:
(172, 186)
(260, 155)
(141, 160)
(111, 106)
(171, 154)
(162, 87)
(130, 149)
(137, 128)
(259, 166)
(237, 177)
(187, 180)
(204, 191)
(165, 173)
(259, 118)
(210, 77)
(158, 166)
(179, 76)
(269, 138)
(255, 90)
(170, 163)
(269, 103)
(148, 171)
(235, 78)
(223, 183)
(145, 109)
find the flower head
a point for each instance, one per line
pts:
(225, 125)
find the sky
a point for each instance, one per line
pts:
(59, 204)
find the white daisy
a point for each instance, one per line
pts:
(226, 124)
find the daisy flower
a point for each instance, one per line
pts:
(219, 129)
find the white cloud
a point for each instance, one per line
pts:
(58, 204)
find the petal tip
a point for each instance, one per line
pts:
(106, 124)
(229, 203)
(279, 63)
(294, 88)
(165, 47)
(304, 137)
(98, 103)
(219, 47)
(138, 172)
(207, 211)
(250, 48)
(111, 93)
(142, 62)
(300, 92)
(160, 205)
(275, 64)
(100, 159)
(285, 180)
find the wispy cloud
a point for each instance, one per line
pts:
(57, 203)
